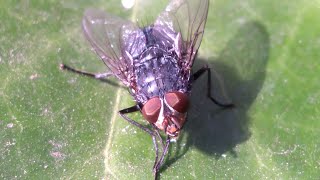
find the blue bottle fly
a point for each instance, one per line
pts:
(154, 62)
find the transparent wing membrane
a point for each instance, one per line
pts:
(188, 18)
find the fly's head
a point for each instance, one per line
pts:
(167, 113)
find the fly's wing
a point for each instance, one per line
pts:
(183, 23)
(115, 40)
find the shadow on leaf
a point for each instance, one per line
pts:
(237, 76)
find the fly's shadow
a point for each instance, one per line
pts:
(239, 73)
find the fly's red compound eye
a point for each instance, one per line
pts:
(151, 110)
(178, 101)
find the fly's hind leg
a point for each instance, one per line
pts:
(99, 76)
(198, 74)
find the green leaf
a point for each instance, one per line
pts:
(58, 125)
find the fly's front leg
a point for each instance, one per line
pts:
(156, 145)
(92, 75)
(132, 109)
(198, 74)
(153, 134)
(164, 152)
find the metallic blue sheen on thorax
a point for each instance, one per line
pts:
(157, 70)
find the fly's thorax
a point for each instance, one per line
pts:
(167, 113)
(157, 72)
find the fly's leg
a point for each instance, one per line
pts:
(158, 134)
(156, 145)
(198, 74)
(132, 109)
(154, 134)
(92, 75)
(157, 166)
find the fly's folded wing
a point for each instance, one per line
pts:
(115, 40)
(183, 23)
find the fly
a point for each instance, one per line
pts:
(154, 62)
